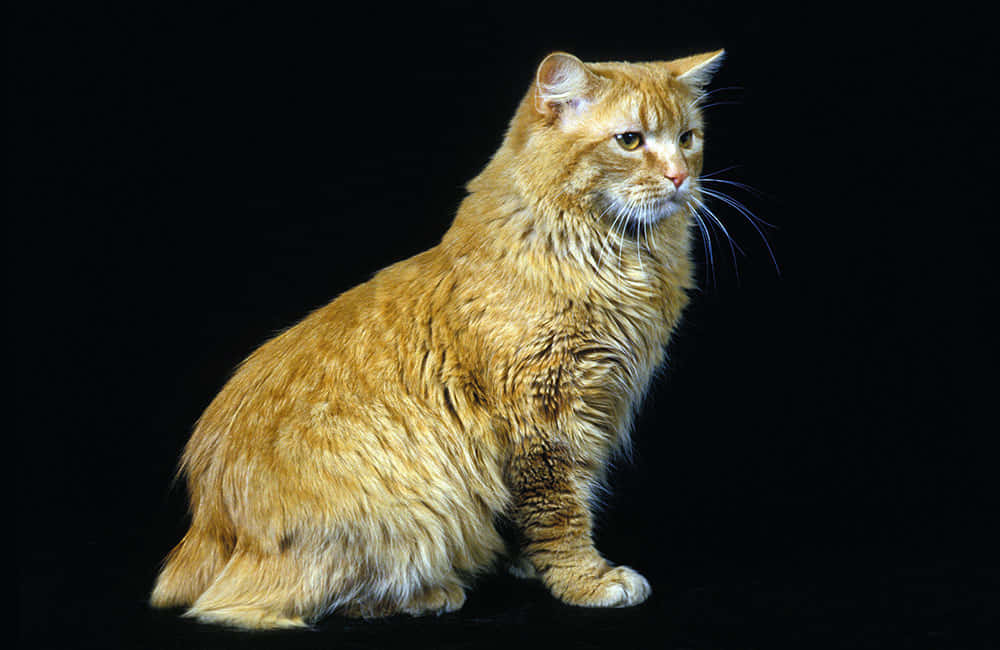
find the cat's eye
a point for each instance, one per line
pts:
(687, 139)
(630, 140)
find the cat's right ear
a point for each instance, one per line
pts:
(563, 84)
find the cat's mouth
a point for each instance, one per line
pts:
(666, 206)
(646, 211)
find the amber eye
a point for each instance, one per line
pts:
(629, 141)
(687, 138)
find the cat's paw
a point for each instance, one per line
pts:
(620, 587)
(436, 600)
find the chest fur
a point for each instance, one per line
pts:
(581, 374)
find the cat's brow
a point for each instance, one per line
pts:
(660, 112)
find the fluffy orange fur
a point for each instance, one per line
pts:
(359, 462)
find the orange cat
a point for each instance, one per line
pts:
(359, 461)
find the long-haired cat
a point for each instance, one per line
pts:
(360, 461)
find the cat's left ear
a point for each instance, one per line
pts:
(562, 84)
(696, 70)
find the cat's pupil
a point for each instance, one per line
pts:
(686, 138)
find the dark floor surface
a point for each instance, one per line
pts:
(826, 601)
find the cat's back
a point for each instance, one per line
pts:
(336, 353)
(373, 381)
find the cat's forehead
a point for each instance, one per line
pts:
(654, 112)
(647, 99)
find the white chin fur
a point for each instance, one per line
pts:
(653, 211)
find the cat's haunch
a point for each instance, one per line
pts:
(358, 462)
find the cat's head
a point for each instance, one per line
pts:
(617, 139)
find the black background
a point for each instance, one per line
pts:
(815, 467)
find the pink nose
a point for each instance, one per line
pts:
(676, 176)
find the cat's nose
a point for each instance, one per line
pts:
(677, 176)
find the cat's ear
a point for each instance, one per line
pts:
(562, 83)
(696, 70)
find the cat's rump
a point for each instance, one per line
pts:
(338, 470)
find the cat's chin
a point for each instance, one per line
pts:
(655, 210)
(670, 206)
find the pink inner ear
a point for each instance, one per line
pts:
(562, 80)
(556, 70)
(550, 75)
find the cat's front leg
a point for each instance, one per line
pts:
(553, 515)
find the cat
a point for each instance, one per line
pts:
(360, 462)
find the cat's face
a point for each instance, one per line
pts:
(629, 136)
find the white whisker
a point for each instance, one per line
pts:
(638, 234)
(706, 241)
(750, 217)
(705, 107)
(707, 175)
(611, 229)
(733, 246)
(649, 240)
(742, 186)
(623, 215)
(710, 213)
(709, 93)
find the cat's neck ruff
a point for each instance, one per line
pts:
(580, 254)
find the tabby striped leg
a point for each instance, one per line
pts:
(555, 521)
